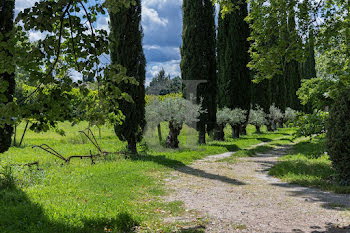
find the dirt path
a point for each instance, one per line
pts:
(241, 197)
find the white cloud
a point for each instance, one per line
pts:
(22, 4)
(170, 67)
(151, 19)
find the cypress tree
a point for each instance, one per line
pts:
(198, 60)
(6, 79)
(126, 50)
(234, 79)
(308, 68)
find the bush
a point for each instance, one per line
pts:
(338, 137)
(290, 115)
(309, 125)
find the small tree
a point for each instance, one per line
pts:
(275, 116)
(257, 117)
(223, 117)
(176, 111)
(237, 118)
(290, 115)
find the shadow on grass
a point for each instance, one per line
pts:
(264, 139)
(19, 214)
(183, 168)
(229, 147)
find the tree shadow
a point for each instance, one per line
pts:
(229, 147)
(264, 139)
(183, 168)
(19, 214)
(329, 228)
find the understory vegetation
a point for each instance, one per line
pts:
(116, 194)
(307, 164)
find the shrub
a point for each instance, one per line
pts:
(290, 115)
(338, 137)
(176, 111)
(223, 117)
(309, 125)
(257, 117)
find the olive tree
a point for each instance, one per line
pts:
(275, 116)
(237, 118)
(257, 117)
(223, 117)
(290, 115)
(177, 112)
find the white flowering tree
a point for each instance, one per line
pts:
(257, 117)
(176, 111)
(275, 115)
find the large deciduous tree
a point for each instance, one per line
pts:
(234, 78)
(126, 50)
(198, 59)
(7, 69)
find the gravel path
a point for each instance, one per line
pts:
(242, 197)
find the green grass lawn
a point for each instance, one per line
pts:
(308, 165)
(115, 194)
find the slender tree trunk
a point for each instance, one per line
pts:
(132, 147)
(258, 130)
(99, 132)
(201, 133)
(244, 129)
(274, 126)
(235, 131)
(24, 133)
(15, 135)
(269, 127)
(172, 140)
(219, 134)
(160, 133)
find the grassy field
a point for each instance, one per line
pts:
(308, 165)
(114, 195)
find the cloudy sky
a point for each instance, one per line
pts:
(162, 25)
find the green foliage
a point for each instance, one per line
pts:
(164, 85)
(234, 78)
(198, 59)
(175, 111)
(7, 69)
(309, 125)
(275, 114)
(338, 137)
(290, 115)
(318, 92)
(307, 165)
(257, 116)
(126, 50)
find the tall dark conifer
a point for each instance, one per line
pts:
(234, 79)
(126, 50)
(6, 79)
(198, 60)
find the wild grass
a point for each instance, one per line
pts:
(114, 195)
(308, 165)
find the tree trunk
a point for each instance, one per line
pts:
(132, 147)
(219, 134)
(15, 135)
(269, 127)
(159, 133)
(244, 129)
(172, 140)
(258, 130)
(201, 129)
(274, 126)
(24, 133)
(236, 131)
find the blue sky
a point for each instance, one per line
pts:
(162, 25)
